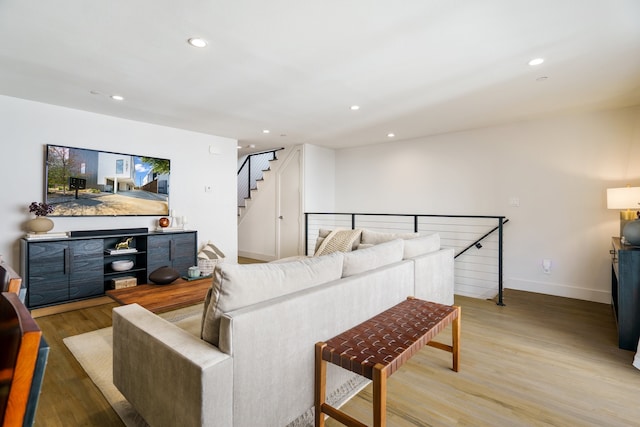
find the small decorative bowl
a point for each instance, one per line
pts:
(122, 265)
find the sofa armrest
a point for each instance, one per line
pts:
(434, 276)
(170, 376)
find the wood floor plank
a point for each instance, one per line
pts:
(538, 361)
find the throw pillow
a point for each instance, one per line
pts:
(322, 234)
(208, 257)
(339, 241)
(370, 258)
(210, 251)
(239, 285)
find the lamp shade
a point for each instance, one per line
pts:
(623, 198)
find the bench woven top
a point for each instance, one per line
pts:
(390, 338)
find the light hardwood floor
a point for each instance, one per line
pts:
(539, 361)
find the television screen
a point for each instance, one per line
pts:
(84, 182)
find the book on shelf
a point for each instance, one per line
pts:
(55, 235)
(121, 251)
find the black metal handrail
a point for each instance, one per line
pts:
(477, 243)
(251, 179)
(249, 156)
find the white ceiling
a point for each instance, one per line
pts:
(416, 67)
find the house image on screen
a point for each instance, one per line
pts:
(155, 183)
(116, 172)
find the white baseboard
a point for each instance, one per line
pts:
(253, 255)
(560, 290)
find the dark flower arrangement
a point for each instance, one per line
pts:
(40, 209)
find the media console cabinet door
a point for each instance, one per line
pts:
(87, 269)
(177, 251)
(64, 270)
(47, 273)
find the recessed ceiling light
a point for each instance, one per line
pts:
(117, 97)
(355, 107)
(536, 61)
(197, 42)
(239, 147)
(391, 134)
(266, 131)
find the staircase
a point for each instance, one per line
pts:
(254, 170)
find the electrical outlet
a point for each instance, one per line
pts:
(546, 266)
(207, 189)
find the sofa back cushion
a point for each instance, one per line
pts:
(370, 237)
(421, 245)
(239, 285)
(370, 258)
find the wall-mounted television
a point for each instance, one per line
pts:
(85, 182)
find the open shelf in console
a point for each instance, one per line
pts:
(125, 248)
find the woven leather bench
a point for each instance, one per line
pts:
(378, 347)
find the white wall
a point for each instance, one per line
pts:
(319, 179)
(559, 168)
(196, 160)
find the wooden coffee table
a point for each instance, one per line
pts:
(161, 298)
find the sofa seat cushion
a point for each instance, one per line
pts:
(371, 258)
(239, 285)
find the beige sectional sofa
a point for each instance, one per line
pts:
(253, 364)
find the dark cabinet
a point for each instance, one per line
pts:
(177, 251)
(625, 293)
(64, 270)
(60, 270)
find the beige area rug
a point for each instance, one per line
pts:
(93, 350)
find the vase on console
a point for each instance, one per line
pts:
(40, 224)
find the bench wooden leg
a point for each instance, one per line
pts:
(379, 396)
(455, 331)
(320, 384)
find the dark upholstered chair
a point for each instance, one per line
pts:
(22, 362)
